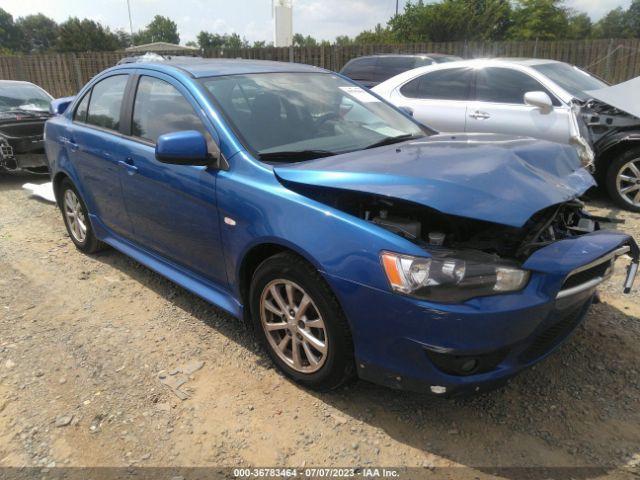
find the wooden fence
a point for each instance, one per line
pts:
(614, 60)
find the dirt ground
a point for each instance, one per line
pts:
(83, 341)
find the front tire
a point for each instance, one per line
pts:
(623, 180)
(300, 323)
(76, 219)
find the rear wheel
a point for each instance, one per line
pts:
(623, 180)
(300, 323)
(76, 219)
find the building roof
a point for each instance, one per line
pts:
(160, 47)
(212, 67)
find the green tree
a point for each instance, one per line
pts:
(124, 39)
(580, 26)
(9, 33)
(85, 35)
(614, 24)
(300, 40)
(38, 33)
(160, 29)
(633, 17)
(379, 35)
(208, 41)
(343, 40)
(542, 19)
(452, 20)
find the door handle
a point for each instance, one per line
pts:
(478, 115)
(69, 143)
(128, 165)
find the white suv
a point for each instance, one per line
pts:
(530, 97)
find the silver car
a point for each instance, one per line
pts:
(537, 98)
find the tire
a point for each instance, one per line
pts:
(628, 165)
(72, 206)
(321, 321)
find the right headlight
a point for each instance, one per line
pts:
(450, 279)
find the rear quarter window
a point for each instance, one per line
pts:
(360, 68)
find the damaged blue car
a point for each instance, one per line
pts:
(356, 241)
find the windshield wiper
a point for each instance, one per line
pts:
(392, 140)
(296, 155)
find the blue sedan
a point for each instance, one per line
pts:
(356, 241)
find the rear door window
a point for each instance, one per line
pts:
(106, 102)
(504, 85)
(448, 84)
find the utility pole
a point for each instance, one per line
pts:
(397, 7)
(130, 22)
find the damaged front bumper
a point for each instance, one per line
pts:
(12, 161)
(465, 348)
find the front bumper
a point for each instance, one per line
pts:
(11, 160)
(405, 343)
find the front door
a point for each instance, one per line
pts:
(499, 107)
(172, 207)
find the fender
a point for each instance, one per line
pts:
(615, 138)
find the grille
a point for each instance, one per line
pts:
(552, 335)
(6, 151)
(579, 278)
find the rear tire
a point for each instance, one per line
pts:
(76, 219)
(293, 310)
(623, 180)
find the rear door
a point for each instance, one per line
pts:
(438, 99)
(172, 207)
(499, 107)
(95, 147)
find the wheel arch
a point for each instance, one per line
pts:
(57, 182)
(257, 254)
(609, 150)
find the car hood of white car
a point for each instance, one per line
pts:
(624, 96)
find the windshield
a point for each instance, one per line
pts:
(572, 79)
(23, 97)
(298, 116)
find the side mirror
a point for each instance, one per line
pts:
(539, 100)
(407, 110)
(60, 105)
(188, 147)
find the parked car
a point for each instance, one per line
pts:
(371, 70)
(355, 240)
(24, 107)
(534, 97)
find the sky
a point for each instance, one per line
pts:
(322, 19)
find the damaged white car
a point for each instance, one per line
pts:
(537, 98)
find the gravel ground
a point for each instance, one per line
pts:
(90, 348)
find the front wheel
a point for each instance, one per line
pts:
(623, 180)
(300, 323)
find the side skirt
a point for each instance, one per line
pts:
(179, 275)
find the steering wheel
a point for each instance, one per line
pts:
(322, 119)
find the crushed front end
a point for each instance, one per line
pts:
(474, 341)
(22, 144)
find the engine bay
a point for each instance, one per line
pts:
(430, 228)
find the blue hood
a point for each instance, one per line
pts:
(495, 178)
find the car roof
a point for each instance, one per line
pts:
(15, 82)
(393, 55)
(525, 62)
(214, 67)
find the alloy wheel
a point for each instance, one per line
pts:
(293, 326)
(628, 182)
(75, 216)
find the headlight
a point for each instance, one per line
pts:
(450, 279)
